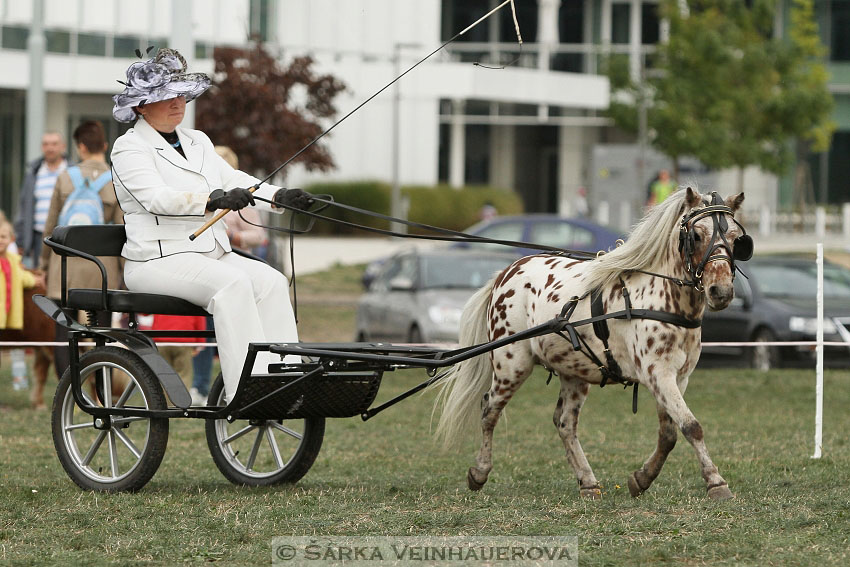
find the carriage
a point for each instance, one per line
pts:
(112, 408)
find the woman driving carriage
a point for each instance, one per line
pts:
(170, 181)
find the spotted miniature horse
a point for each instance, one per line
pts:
(678, 260)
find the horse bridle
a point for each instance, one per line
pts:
(741, 248)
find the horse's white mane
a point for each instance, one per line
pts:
(647, 245)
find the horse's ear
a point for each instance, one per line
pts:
(692, 198)
(734, 203)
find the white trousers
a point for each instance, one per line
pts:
(249, 302)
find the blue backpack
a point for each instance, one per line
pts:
(84, 205)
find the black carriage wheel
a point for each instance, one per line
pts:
(262, 452)
(123, 456)
(763, 357)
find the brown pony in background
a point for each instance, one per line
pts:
(38, 327)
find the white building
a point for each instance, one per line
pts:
(530, 126)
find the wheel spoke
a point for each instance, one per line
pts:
(107, 389)
(273, 446)
(238, 434)
(126, 395)
(87, 399)
(288, 431)
(93, 449)
(255, 449)
(79, 426)
(113, 454)
(128, 443)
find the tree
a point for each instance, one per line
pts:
(725, 91)
(266, 111)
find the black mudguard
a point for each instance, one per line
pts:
(138, 343)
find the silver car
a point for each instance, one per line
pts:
(418, 296)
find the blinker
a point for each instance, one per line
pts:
(742, 248)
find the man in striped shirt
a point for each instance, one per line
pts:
(34, 197)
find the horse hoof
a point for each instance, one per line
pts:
(472, 482)
(39, 407)
(634, 488)
(591, 493)
(721, 492)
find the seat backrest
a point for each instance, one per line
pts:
(97, 240)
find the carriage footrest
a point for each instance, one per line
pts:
(330, 394)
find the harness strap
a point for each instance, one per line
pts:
(610, 369)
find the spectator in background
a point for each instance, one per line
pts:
(243, 230)
(13, 280)
(661, 188)
(582, 208)
(90, 139)
(179, 357)
(34, 197)
(487, 211)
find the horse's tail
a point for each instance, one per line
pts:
(464, 385)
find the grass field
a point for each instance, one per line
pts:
(387, 476)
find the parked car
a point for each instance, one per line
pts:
(545, 229)
(418, 296)
(778, 303)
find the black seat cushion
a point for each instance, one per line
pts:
(131, 302)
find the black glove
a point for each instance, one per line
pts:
(234, 199)
(293, 198)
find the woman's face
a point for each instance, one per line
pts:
(164, 115)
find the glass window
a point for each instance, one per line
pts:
(464, 272)
(797, 281)
(500, 230)
(458, 15)
(620, 23)
(91, 44)
(560, 235)
(15, 37)
(650, 30)
(58, 41)
(261, 19)
(840, 38)
(125, 46)
(203, 50)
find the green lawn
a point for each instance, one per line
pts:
(387, 476)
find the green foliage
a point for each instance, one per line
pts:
(727, 92)
(369, 195)
(387, 476)
(441, 206)
(457, 209)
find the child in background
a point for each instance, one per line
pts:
(13, 279)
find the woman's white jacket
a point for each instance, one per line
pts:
(164, 195)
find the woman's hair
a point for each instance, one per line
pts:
(91, 134)
(228, 155)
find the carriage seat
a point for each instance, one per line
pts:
(90, 241)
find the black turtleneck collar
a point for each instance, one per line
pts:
(173, 140)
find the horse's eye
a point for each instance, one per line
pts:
(697, 237)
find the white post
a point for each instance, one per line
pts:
(845, 220)
(183, 40)
(764, 221)
(603, 214)
(819, 364)
(36, 106)
(820, 223)
(625, 215)
(457, 151)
